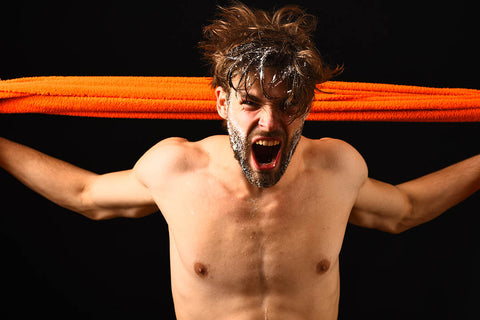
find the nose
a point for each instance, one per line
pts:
(269, 119)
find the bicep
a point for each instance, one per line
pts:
(128, 193)
(117, 194)
(380, 206)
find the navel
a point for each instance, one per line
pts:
(323, 266)
(200, 269)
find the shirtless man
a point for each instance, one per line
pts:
(255, 233)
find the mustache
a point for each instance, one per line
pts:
(280, 134)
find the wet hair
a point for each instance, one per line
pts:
(243, 42)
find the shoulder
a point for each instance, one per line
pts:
(336, 156)
(170, 157)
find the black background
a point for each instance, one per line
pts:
(61, 265)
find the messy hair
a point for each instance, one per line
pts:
(242, 42)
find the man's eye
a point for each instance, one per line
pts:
(249, 103)
(289, 109)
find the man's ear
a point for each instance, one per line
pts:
(221, 102)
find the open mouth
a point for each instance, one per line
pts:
(266, 153)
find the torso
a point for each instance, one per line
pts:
(266, 255)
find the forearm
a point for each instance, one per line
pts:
(433, 194)
(54, 179)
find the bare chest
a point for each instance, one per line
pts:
(280, 240)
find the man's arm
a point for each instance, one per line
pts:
(111, 195)
(398, 208)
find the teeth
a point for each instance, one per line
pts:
(267, 143)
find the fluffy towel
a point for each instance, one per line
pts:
(193, 98)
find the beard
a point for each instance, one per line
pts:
(242, 147)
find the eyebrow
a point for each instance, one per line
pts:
(246, 95)
(255, 98)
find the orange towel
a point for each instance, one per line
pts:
(193, 98)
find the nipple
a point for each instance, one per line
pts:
(200, 269)
(323, 266)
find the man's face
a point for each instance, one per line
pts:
(263, 136)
